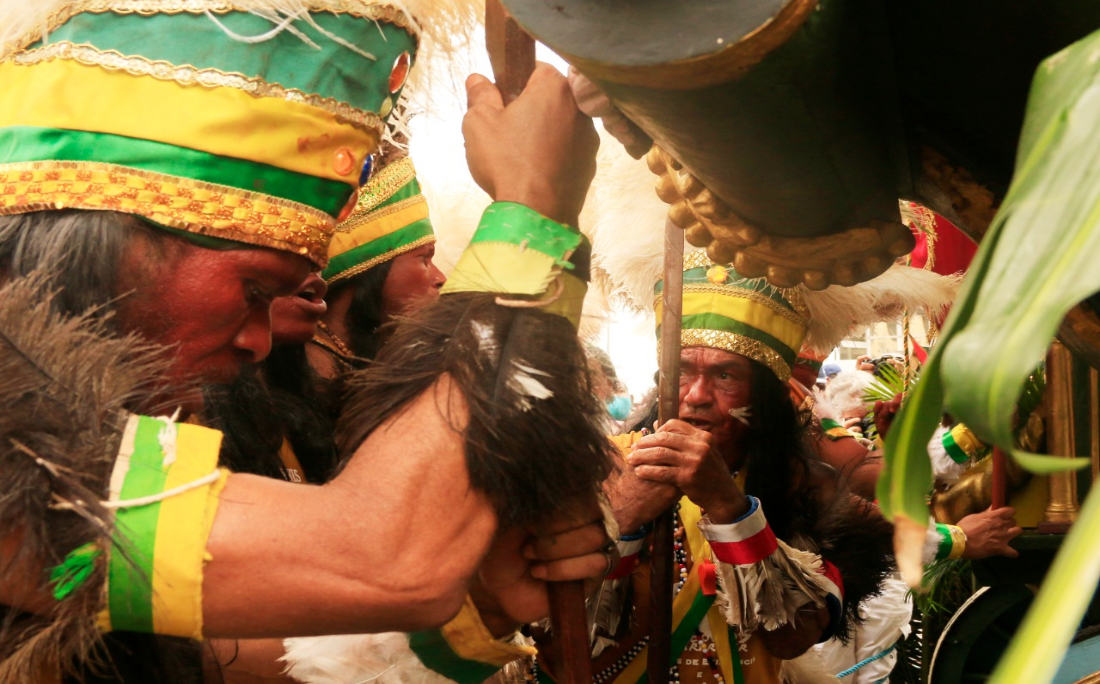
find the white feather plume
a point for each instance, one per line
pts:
(626, 222)
(837, 311)
(357, 659)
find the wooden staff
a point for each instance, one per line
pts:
(998, 484)
(511, 50)
(512, 55)
(668, 408)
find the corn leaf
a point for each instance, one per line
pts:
(1037, 650)
(1036, 262)
(1041, 464)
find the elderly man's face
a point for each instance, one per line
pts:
(712, 383)
(212, 308)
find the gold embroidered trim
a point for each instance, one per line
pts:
(792, 295)
(389, 179)
(188, 75)
(738, 344)
(382, 258)
(374, 11)
(358, 220)
(182, 203)
(696, 260)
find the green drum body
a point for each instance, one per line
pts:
(789, 129)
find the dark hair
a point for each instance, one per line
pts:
(281, 396)
(81, 251)
(807, 504)
(494, 354)
(365, 312)
(777, 428)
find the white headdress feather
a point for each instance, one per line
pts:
(627, 220)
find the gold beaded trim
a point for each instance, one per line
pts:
(389, 179)
(696, 260)
(187, 75)
(374, 11)
(738, 344)
(382, 258)
(183, 203)
(358, 219)
(792, 295)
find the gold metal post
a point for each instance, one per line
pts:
(1062, 509)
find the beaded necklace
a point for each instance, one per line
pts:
(340, 345)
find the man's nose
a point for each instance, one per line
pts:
(254, 337)
(696, 391)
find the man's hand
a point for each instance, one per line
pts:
(636, 501)
(539, 151)
(989, 532)
(511, 586)
(885, 412)
(684, 456)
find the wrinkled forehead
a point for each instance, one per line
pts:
(703, 359)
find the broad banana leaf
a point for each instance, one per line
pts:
(1040, 257)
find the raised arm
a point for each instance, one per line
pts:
(399, 527)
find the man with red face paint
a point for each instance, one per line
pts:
(211, 302)
(750, 592)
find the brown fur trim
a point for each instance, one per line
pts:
(533, 441)
(64, 387)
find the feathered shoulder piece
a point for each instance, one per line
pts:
(65, 385)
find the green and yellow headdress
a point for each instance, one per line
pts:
(245, 120)
(391, 218)
(746, 316)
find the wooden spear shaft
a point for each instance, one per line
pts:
(512, 54)
(668, 408)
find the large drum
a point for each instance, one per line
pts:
(790, 128)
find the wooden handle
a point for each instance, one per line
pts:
(668, 408)
(998, 484)
(511, 50)
(570, 625)
(512, 54)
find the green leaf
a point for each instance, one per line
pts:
(887, 385)
(1035, 263)
(1042, 464)
(1037, 650)
(1047, 242)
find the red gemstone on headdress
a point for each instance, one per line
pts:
(349, 207)
(400, 71)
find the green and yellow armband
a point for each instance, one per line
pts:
(463, 649)
(961, 444)
(518, 251)
(164, 489)
(834, 430)
(952, 542)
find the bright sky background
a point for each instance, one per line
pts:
(437, 149)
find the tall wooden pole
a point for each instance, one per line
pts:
(668, 408)
(512, 54)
